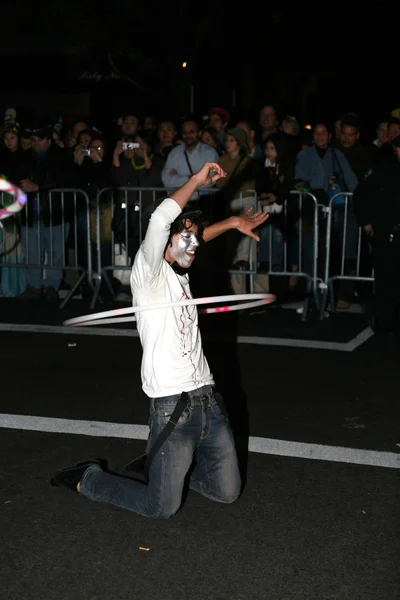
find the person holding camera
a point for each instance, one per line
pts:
(92, 172)
(135, 166)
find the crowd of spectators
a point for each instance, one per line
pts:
(272, 156)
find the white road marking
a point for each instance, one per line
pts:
(256, 444)
(241, 339)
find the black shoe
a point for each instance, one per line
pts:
(71, 476)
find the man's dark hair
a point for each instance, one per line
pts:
(194, 217)
(324, 124)
(191, 119)
(351, 121)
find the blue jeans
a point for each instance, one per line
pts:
(36, 241)
(203, 433)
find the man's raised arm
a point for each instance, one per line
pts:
(160, 221)
(243, 223)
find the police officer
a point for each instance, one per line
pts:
(376, 203)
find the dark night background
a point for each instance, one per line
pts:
(316, 60)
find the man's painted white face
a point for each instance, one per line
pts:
(184, 248)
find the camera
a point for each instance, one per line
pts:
(85, 151)
(130, 145)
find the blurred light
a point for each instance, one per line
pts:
(307, 127)
(184, 65)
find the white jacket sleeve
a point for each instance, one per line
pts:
(157, 234)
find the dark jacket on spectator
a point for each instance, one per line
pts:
(92, 177)
(15, 165)
(376, 201)
(358, 157)
(50, 171)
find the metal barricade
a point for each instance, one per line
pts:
(41, 236)
(129, 211)
(344, 242)
(293, 243)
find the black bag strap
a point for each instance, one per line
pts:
(188, 162)
(137, 464)
(168, 429)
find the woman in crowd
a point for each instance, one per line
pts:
(274, 180)
(235, 197)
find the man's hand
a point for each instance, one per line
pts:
(368, 230)
(247, 222)
(208, 174)
(28, 186)
(118, 148)
(78, 156)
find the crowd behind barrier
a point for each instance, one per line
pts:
(90, 196)
(97, 242)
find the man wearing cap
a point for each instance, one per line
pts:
(377, 208)
(45, 220)
(219, 119)
(175, 372)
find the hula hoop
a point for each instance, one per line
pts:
(20, 199)
(102, 318)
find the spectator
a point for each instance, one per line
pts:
(92, 174)
(386, 150)
(256, 150)
(46, 225)
(317, 164)
(166, 139)
(274, 181)
(268, 121)
(315, 169)
(210, 136)
(377, 207)
(71, 138)
(382, 134)
(219, 119)
(290, 125)
(12, 158)
(187, 158)
(359, 158)
(236, 197)
(129, 125)
(136, 168)
(25, 139)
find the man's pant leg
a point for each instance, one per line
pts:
(32, 244)
(162, 497)
(54, 244)
(217, 475)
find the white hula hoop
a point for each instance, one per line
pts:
(103, 318)
(20, 199)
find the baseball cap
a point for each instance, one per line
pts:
(221, 112)
(240, 136)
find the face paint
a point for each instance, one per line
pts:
(184, 248)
